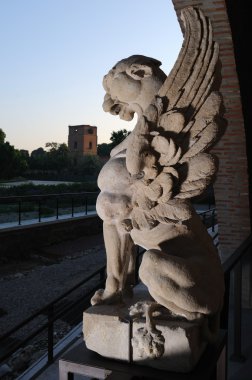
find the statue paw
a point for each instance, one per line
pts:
(102, 297)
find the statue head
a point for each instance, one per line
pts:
(131, 85)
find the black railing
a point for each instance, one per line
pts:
(209, 218)
(234, 264)
(54, 311)
(39, 207)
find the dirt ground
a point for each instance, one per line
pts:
(28, 285)
(52, 254)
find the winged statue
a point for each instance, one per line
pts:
(150, 177)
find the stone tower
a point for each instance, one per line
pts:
(82, 140)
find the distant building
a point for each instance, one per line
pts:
(82, 140)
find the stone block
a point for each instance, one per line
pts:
(107, 331)
(183, 346)
(111, 331)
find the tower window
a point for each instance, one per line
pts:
(90, 145)
(90, 131)
(75, 145)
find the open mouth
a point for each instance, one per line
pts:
(115, 109)
(122, 111)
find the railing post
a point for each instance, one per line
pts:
(86, 205)
(204, 218)
(39, 210)
(19, 213)
(225, 308)
(237, 355)
(72, 204)
(50, 335)
(57, 208)
(103, 274)
(213, 220)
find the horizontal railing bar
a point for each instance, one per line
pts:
(215, 236)
(76, 302)
(45, 308)
(230, 263)
(82, 299)
(23, 342)
(207, 211)
(15, 198)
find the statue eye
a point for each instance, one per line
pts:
(139, 73)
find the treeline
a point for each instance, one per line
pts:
(55, 162)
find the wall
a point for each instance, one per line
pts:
(80, 134)
(22, 241)
(231, 186)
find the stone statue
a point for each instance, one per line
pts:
(147, 184)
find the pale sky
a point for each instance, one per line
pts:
(54, 54)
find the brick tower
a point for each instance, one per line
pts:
(82, 140)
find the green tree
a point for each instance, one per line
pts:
(38, 159)
(58, 156)
(103, 150)
(12, 163)
(2, 136)
(89, 166)
(118, 136)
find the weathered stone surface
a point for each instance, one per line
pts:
(112, 332)
(107, 331)
(183, 346)
(147, 184)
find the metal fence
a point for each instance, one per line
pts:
(72, 309)
(39, 207)
(57, 311)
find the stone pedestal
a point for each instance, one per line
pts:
(110, 331)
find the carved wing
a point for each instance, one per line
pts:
(178, 129)
(190, 124)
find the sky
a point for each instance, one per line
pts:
(54, 54)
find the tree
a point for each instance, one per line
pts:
(89, 165)
(38, 159)
(12, 163)
(58, 156)
(103, 150)
(54, 146)
(118, 136)
(2, 136)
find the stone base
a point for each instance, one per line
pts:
(109, 329)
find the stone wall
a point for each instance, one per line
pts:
(231, 186)
(21, 241)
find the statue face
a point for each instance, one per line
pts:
(130, 88)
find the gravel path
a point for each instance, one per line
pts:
(31, 285)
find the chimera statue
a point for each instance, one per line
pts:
(147, 184)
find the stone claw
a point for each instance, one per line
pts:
(102, 297)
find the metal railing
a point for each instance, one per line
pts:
(55, 204)
(234, 265)
(209, 218)
(54, 311)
